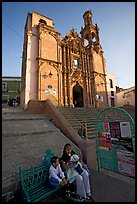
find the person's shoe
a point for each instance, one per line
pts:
(75, 197)
(81, 199)
(90, 198)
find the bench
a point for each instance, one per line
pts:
(34, 182)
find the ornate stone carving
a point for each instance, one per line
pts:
(76, 76)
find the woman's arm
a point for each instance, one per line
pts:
(63, 165)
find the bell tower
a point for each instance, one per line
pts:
(90, 32)
(93, 49)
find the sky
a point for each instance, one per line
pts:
(116, 21)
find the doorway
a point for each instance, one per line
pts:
(112, 102)
(77, 95)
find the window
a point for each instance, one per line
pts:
(42, 21)
(111, 83)
(86, 42)
(94, 39)
(112, 93)
(76, 62)
(112, 101)
(99, 97)
(4, 86)
(49, 86)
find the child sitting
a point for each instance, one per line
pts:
(74, 168)
(76, 172)
(56, 175)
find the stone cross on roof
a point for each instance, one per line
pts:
(73, 29)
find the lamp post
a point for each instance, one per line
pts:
(44, 76)
(47, 75)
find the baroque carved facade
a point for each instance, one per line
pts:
(71, 69)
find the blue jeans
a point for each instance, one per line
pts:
(53, 181)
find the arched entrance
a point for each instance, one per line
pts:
(77, 95)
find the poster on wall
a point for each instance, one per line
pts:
(116, 135)
(125, 129)
(121, 135)
(106, 127)
(104, 139)
(115, 130)
(115, 138)
(51, 91)
(126, 163)
(103, 127)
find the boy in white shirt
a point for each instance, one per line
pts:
(56, 175)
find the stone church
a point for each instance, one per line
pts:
(71, 69)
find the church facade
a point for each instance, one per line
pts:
(71, 69)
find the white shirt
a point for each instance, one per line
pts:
(71, 172)
(56, 173)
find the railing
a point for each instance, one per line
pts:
(81, 126)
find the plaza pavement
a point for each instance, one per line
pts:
(25, 137)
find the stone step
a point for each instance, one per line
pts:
(77, 116)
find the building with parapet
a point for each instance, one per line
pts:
(111, 89)
(126, 97)
(10, 88)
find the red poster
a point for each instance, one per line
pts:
(106, 126)
(104, 139)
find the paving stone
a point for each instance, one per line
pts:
(25, 137)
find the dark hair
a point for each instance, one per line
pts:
(65, 146)
(54, 159)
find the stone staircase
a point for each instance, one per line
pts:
(80, 116)
(86, 116)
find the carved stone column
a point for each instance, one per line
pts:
(63, 75)
(68, 76)
(105, 80)
(88, 82)
(70, 69)
(85, 82)
(92, 77)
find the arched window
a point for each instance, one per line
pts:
(93, 37)
(42, 21)
(86, 42)
(49, 86)
(76, 62)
